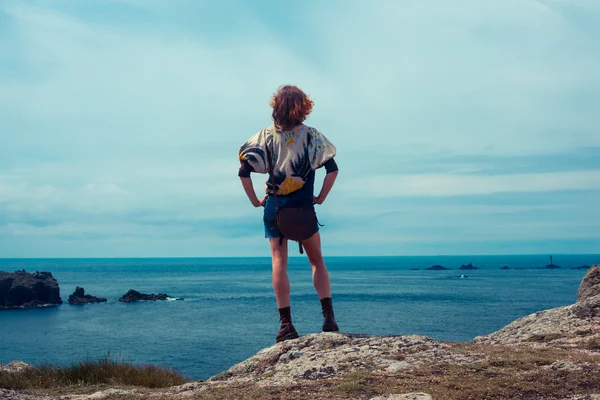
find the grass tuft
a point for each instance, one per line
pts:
(104, 371)
(354, 384)
(548, 337)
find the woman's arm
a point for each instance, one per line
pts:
(327, 185)
(249, 189)
(244, 174)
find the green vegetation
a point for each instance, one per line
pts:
(102, 372)
(548, 337)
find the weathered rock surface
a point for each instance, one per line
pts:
(21, 289)
(79, 297)
(327, 355)
(590, 286)
(134, 295)
(106, 394)
(14, 366)
(569, 325)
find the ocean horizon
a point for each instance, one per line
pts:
(229, 312)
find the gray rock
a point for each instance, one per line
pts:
(590, 285)
(327, 355)
(563, 365)
(397, 366)
(105, 394)
(290, 355)
(587, 308)
(14, 366)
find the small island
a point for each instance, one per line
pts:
(133, 295)
(437, 268)
(469, 266)
(21, 289)
(79, 297)
(551, 265)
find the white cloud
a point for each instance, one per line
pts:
(111, 120)
(460, 185)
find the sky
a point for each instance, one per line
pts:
(462, 127)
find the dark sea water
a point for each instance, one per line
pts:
(230, 311)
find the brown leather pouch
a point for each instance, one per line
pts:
(296, 223)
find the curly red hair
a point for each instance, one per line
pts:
(291, 106)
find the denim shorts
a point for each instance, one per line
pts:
(270, 218)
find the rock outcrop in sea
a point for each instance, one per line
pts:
(79, 297)
(551, 265)
(22, 289)
(469, 267)
(437, 268)
(133, 296)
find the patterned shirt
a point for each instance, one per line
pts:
(295, 155)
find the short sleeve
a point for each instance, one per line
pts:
(254, 151)
(331, 166)
(320, 149)
(245, 169)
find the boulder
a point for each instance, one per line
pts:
(14, 366)
(469, 266)
(21, 289)
(590, 285)
(332, 354)
(437, 268)
(79, 297)
(133, 296)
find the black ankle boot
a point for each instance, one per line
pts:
(329, 324)
(287, 330)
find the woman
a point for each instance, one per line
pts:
(293, 151)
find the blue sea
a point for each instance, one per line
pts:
(229, 312)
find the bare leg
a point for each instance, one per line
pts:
(320, 275)
(281, 283)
